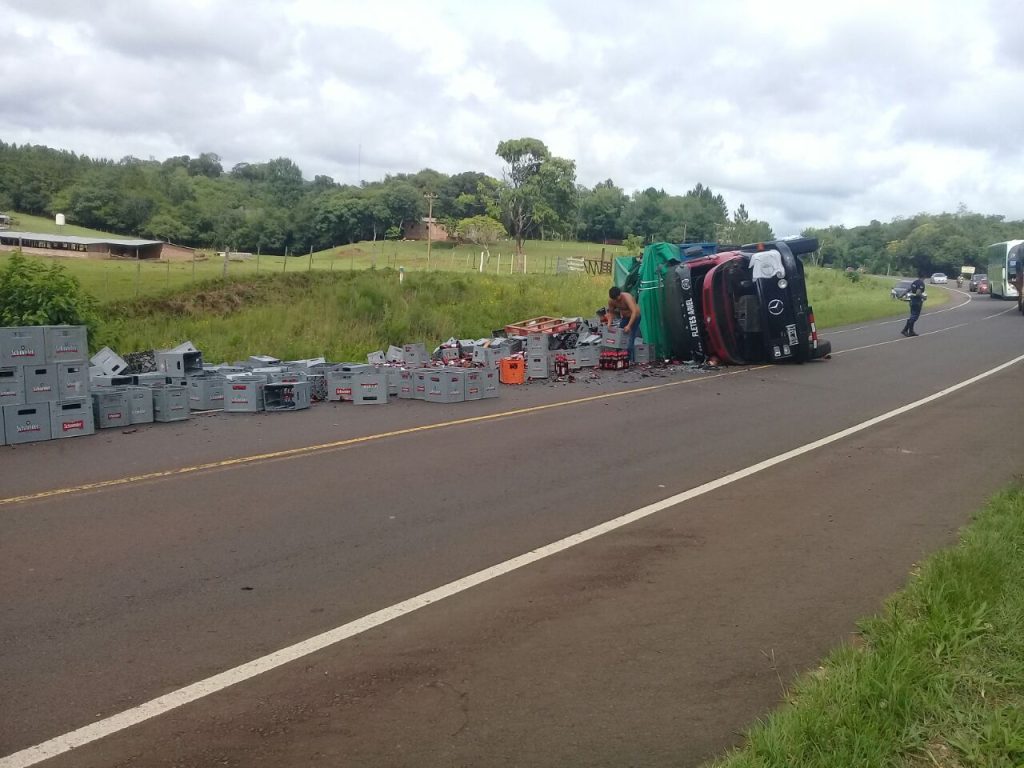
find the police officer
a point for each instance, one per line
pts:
(916, 297)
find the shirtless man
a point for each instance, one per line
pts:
(622, 305)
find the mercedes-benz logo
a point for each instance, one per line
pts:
(775, 307)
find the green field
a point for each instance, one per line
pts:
(347, 302)
(24, 222)
(938, 680)
(118, 279)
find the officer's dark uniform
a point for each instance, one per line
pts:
(916, 298)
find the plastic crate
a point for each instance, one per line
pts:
(12, 385)
(26, 423)
(72, 381)
(41, 384)
(446, 385)
(111, 407)
(65, 344)
(71, 418)
(140, 404)
(286, 396)
(370, 389)
(22, 345)
(244, 394)
(512, 370)
(170, 403)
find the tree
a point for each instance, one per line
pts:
(742, 229)
(482, 231)
(521, 193)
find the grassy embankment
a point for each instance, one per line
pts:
(297, 310)
(341, 316)
(937, 680)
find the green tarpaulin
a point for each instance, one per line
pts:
(649, 294)
(622, 266)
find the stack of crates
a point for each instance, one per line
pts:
(539, 359)
(44, 383)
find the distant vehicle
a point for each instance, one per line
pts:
(975, 279)
(938, 278)
(982, 287)
(901, 289)
(1005, 260)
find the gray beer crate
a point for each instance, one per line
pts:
(65, 344)
(111, 407)
(140, 404)
(41, 383)
(170, 403)
(26, 423)
(12, 385)
(72, 381)
(22, 345)
(71, 418)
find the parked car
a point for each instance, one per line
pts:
(975, 279)
(982, 287)
(939, 278)
(743, 306)
(901, 289)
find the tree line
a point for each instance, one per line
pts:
(917, 245)
(270, 206)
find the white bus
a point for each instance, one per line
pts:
(1004, 260)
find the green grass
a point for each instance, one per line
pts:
(341, 316)
(112, 280)
(24, 222)
(938, 679)
(839, 301)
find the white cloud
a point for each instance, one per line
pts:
(809, 113)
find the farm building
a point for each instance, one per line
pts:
(86, 247)
(417, 230)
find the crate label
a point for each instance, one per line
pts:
(112, 415)
(42, 388)
(28, 427)
(67, 426)
(65, 348)
(23, 352)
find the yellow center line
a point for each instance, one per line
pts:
(333, 446)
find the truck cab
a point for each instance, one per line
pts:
(744, 306)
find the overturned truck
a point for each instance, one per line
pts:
(739, 306)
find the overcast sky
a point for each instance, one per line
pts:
(809, 113)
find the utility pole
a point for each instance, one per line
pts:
(431, 197)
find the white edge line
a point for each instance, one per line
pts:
(158, 706)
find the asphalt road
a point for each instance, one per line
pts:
(136, 564)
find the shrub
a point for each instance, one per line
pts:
(32, 293)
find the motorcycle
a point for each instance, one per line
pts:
(960, 282)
